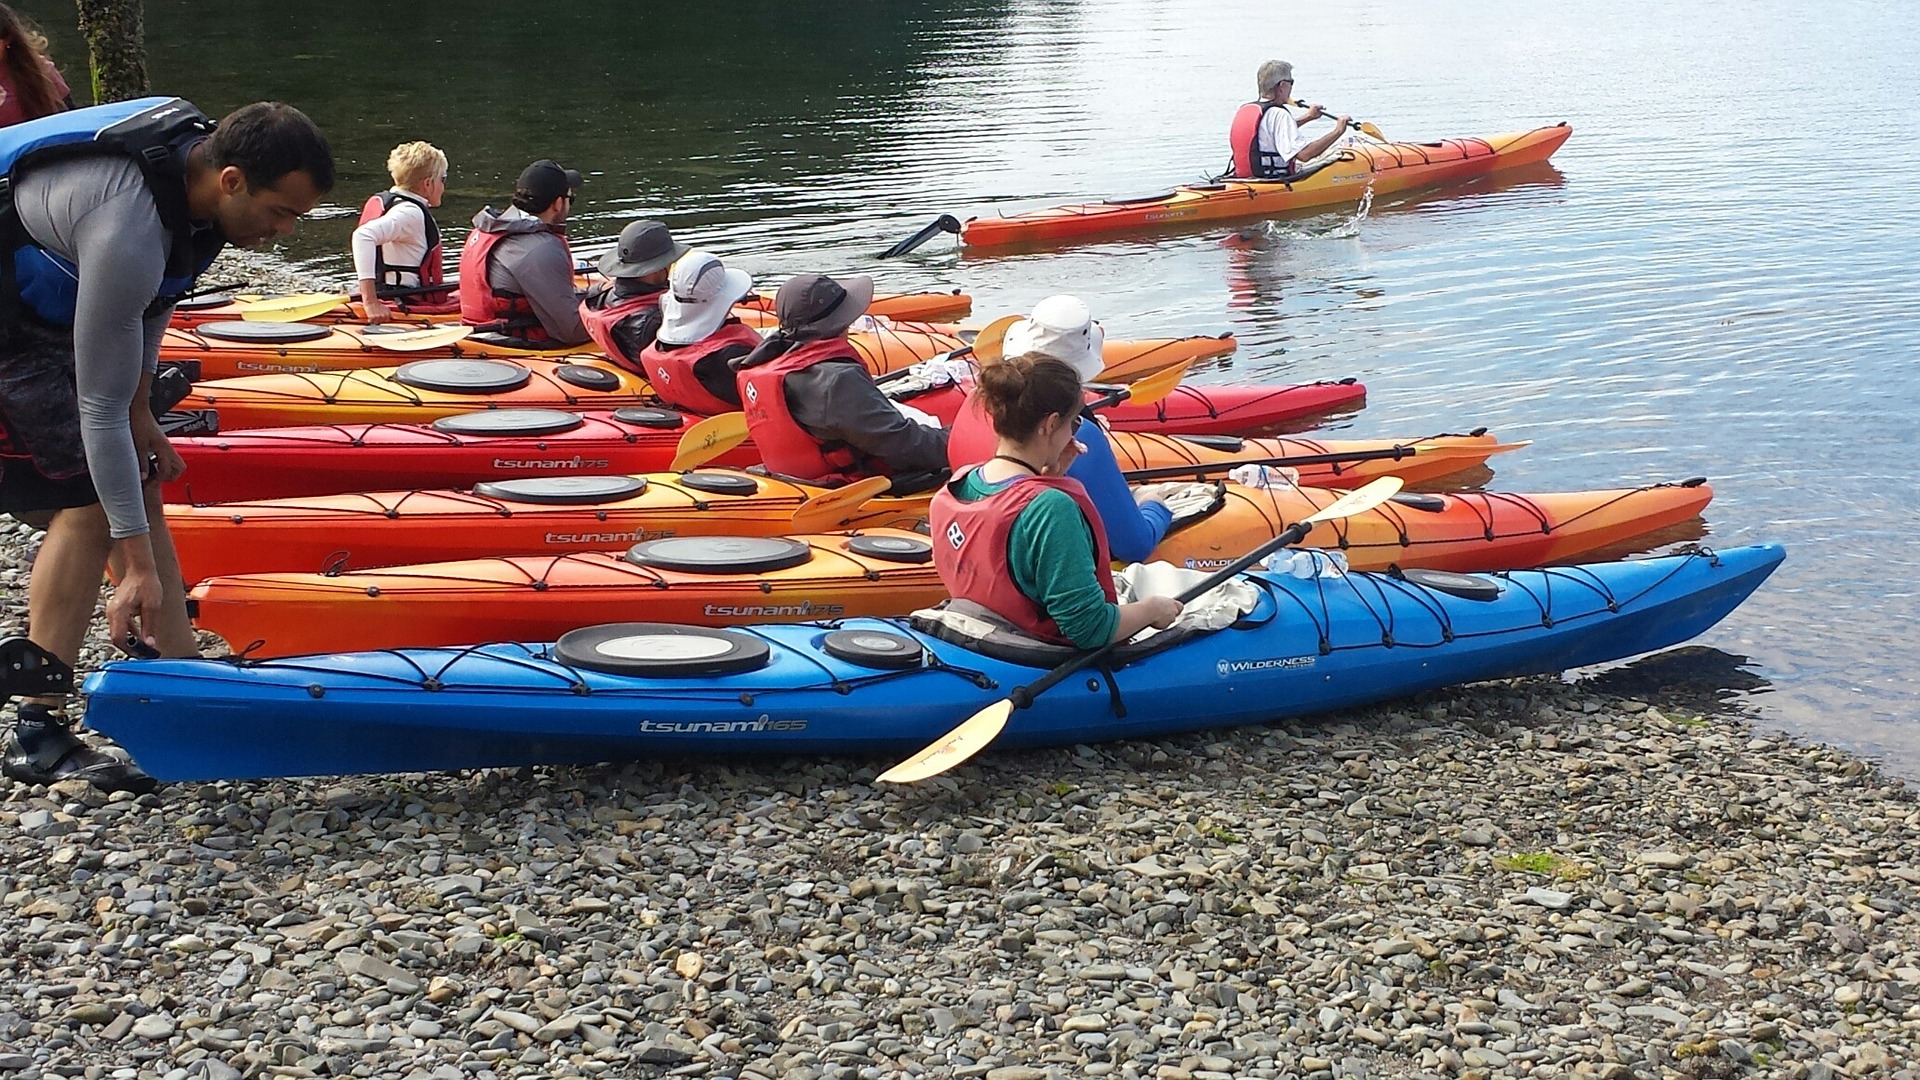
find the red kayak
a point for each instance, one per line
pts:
(457, 451)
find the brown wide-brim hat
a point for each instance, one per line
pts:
(822, 306)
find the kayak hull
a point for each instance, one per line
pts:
(319, 534)
(512, 705)
(327, 459)
(915, 307)
(1387, 168)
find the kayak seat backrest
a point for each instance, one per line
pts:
(1128, 200)
(979, 629)
(1296, 177)
(510, 342)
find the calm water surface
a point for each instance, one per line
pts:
(1716, 276)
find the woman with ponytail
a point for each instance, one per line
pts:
(30, 86)
(1018, 536)
(811, 404)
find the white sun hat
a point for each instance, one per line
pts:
(1061, 327)
(701, 292)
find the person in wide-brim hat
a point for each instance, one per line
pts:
(644, 248)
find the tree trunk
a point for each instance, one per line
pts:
(116, 48)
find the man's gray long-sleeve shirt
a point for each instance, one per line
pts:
(534, 261)
(840, 401)
(97, 213)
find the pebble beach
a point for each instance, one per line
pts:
(1519, 879)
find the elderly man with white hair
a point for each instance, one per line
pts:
(1266, 138)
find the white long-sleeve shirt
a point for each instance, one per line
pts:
(402, 231)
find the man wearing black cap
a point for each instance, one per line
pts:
(516, 272)
(623, 312)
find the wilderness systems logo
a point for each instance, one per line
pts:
(575, 462)
(1229, 668)
(763, 723)
(633, 537)
(1206, 564)
(805, 609)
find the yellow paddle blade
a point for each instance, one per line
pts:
(1371, 131)
(1467, 450)
(831, 509)
(708, 439)
(1154, 388)
(296, 308)
(1359, 500)
(432, 337)
(987, 343)
(956, 746)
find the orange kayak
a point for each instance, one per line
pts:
(426, 390)
(1386, 168)
(1472, 531)
(231, 307)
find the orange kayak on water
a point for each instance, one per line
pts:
(1384, 167)
(1470, 531)
(426, 390)
(233, 306)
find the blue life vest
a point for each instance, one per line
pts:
(156, 132)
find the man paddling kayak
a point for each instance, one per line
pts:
(622, 313)
(396, 248)
(115, 211)
(1021, 538)
(1266, 138)
(517, 270)
(689, 363)
(811, 403)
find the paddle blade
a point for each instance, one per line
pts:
(987, 343)
(831, 509)
(1154, 388)
(1357, 501)
(708, 439)
(1371, 131)
(943, 223)
(953, 748)
(433, 337)
(296, 308)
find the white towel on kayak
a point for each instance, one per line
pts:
(1215, 609)
(1184, 499)
(929, 374)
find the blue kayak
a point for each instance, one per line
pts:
(880, 688)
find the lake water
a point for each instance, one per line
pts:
(1716, 276)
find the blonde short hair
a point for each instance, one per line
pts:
(415, 162)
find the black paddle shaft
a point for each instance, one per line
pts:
(1023, 696)
(1174, 472)
(943, 223)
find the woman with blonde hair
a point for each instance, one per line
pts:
(30, 86)
(397, 249)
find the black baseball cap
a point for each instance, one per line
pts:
(544, 181)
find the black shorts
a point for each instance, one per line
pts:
(43, 465)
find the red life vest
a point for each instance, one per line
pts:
(674, 371)
(431, 269)
(787, 448)
(1248, 161)
(970, 548)
(480, 305)
(601, 311)
(970, 441)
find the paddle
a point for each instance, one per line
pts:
(299, 307)
(1388, 453)
(988, 337)
(943, 223)
(427, 337)
(1365, 128)
(831, 509)
(980, 729)
(708, 439)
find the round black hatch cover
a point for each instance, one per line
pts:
(720, 483)
(587, 378)
(1465, 586)
(564, 490)
(202, 303)
(902, 549)
(874, 649)
(504, 422)
(641, 416)
(264, 333)
(661, 650)
(720, 554)
(462, 376)
(1431, 504)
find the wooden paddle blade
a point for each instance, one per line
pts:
(433, 337)
(1154, 388)
(975, 734)
(830, 510)
(987, 343)
(708, 439)
(296, 308)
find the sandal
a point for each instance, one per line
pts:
(59, 755)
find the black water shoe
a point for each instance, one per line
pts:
(40, 749)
